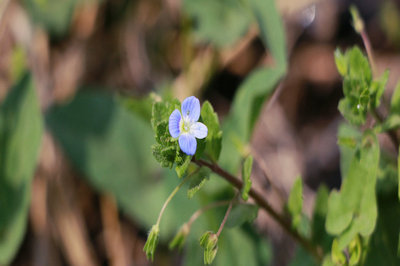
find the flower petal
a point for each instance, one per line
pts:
(174, 120)
(191, 108)
(199, 130)
(188, 144)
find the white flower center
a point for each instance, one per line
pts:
(185, 124)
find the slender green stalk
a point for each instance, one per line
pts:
(199, 212)
(228, 211)
(170, 198)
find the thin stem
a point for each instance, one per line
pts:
(228, 211)
(170, 198)
(206, 208)
(259, 199)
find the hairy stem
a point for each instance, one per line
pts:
(206, 208)
(226, 216)
(170, 198)
(260, 200)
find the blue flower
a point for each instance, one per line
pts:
(185, 125)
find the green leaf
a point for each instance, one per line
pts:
(220, 22)
(181, 169)
(271, 29)
(246, 108)
(337, 254)
(241, 214)
(213, 140)
(55, 17)
(391, 123)
(258, 86)
(382, 248)
(337, 219)
(197, 181)
(355, 251)
(341, 61)
(377, 89)
(398, 176)
(295, 202)
(357, 201)
(395, 102)
(348, 139)
(246, 174)
(318, 234)
(21, 130)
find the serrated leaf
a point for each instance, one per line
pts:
(213, 140)
(241, 214)
(197, 181)
(246, 174)
(295, 202)
(181, 168)
(21, 130)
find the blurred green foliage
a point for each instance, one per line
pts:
(21, 129)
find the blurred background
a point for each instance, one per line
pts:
(96, 190)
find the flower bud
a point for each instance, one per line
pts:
(209, 242)
(180, 237)
(151, 243)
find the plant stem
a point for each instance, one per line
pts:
(368, 47)
(259, 199)
(226, 216)
(170, 198)
(206, 208)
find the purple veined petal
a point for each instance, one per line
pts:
(199, 130)
(173, 125)
(188, 143)
(191, 108)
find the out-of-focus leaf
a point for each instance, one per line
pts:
(21, 129)
(213, 140)
(18, 63)
(245, 111)
(395, 102)
(54, 16)
(246, 174)
(271, 28)
(220, 22)
(258, 87)
(382, 249)
(295, 202)
(318, 234)
(242, 213)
